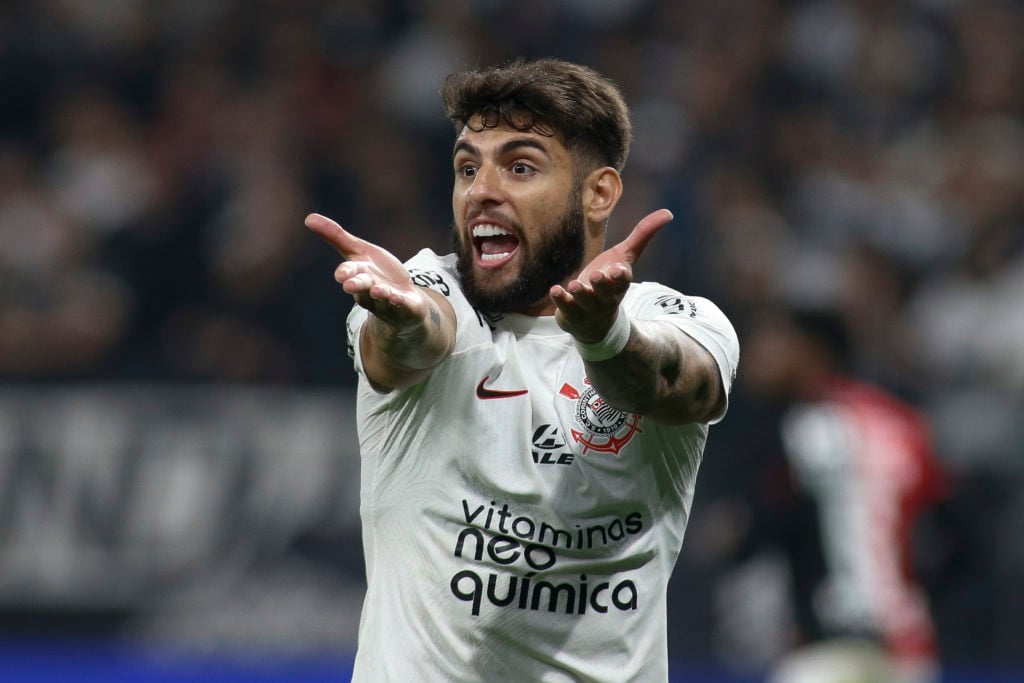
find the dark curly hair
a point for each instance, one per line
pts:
(549, 96)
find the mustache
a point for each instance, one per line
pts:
(492, 216)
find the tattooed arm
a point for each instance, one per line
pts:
(397, 355)
(662, 373)
(410, 329)
(657, 370)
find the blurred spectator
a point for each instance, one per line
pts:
(60, 314)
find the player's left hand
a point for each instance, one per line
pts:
(586, 307)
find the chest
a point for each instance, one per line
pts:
(517, 421)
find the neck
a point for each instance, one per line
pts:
(539, 308)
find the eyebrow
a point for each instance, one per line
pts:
(510, 146)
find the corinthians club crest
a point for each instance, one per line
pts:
(604, 429)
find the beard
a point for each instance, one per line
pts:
(557, 255)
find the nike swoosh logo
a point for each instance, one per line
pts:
(487, 394)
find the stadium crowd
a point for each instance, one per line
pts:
(866, 156)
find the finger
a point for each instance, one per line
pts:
(394, 306)
(568, 310)
(410, 302)
(358, 283)
(592, 300)
(346, 244)
(576, 287)
(349, 269)
(384, 292)
(649, 225)
(379, 299)
(615, 272)
(560, 296)
(610, 285)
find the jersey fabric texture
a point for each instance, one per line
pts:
(515, 526)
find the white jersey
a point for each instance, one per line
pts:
(515, 526)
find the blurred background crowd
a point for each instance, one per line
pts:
(861, 156)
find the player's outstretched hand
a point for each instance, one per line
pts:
(374, 277)
(586, 307)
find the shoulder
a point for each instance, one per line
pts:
(654, 301)
(440, 274)
(651, 299)
(428, 269)
(697, 317)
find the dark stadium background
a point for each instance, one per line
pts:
(178, 468)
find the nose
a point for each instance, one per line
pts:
(486, 186)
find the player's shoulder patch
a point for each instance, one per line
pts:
(427, 269)
(431, 279)
(650, 300)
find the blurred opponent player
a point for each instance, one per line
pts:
(862, 461)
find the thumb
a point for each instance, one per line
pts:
(649, 225)
(344, 242)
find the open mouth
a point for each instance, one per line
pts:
(493, 244)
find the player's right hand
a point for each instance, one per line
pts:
(374, 277)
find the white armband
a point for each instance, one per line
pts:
(611, 345)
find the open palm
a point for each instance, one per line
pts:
(587, 306)
(375, 277)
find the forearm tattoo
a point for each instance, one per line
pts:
(657, 374)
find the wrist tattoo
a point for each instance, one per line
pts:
(435, 316)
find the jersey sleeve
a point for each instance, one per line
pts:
(699, 318)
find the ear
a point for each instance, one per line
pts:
(601, 191)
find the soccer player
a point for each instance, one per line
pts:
(531, 421)
(862, 470)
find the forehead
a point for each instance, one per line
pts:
(483, 137)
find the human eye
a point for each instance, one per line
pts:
(522, 168)
(465, 170)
